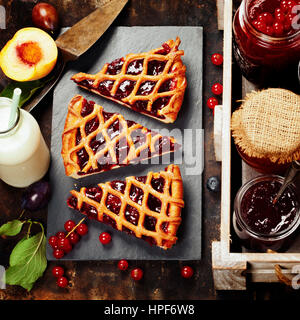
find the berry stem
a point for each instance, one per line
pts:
(79, 223)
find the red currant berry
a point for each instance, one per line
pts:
(136, 274)
(280, 17)
(58, 271)
(212, 102)
(217, 59)
(284, 6)
(266, 17)
(82, 229)
(62, 282)
(74, 238)
(217, 89)
(278, 28)
(64, 244)
(187, 272)
(53, 242)
(290, 5)
(123, 265)
(269, 31)
(58, 253)
(69, 225)
(105, 238)
(60, 235)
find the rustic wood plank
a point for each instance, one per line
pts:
(220, 13)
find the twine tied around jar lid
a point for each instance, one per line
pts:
(267, 125)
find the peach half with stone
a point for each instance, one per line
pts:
(30, 55)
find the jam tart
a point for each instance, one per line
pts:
(147, 207)
(152, 83)
(94, 140)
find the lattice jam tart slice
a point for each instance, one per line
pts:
(152, 83)
(147, 207)
(94, 140)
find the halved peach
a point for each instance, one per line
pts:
(30, 55)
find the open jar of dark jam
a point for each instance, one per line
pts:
(267, 40)
(260, 224)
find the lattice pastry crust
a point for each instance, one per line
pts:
(147, 207)
(94, 141)
(152, 83)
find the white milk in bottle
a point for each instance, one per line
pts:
(24, 155)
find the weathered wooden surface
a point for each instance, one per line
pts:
(102, 280)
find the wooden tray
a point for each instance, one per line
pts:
(232, 270)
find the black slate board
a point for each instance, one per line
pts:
(117, 42)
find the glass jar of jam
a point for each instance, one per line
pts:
(267, 40)
(260, 224)
(266, 131)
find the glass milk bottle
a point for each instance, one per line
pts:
(24, 155)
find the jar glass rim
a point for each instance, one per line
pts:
(15, 123)
(262, 36)
(265, 237)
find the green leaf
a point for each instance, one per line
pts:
(11, 228)
(27, 261)
(28, 89)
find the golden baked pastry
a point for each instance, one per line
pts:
(148, 207)
(152, 83)
(94, 140)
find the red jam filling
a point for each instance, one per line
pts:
(118, 185)
(115, 67)
(168, 85)
(97, 143)
(108, 220)
(160, 103)
(142, 179)
(72, 202)
(124, 89)
(114, 129)
(261, 215)
(136, 194)
(135, 67)
(91, 125)
(164, 227)
(89, 210)
(146, 88)
(154, 204)
(78, 137)
(158, 184)
(94, 193)
(113, 203)
(82, 158)
(122, 149)
(156, 67)
(150, 223)
(138, 137)
(105, 87)
(107, 115)
(166, 49)
(87, 108)
(132, 215)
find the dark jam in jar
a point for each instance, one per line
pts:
(267, 40)
(259, 223)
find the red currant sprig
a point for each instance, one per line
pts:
(63, 243)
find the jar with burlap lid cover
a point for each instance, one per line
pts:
(266, 129)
